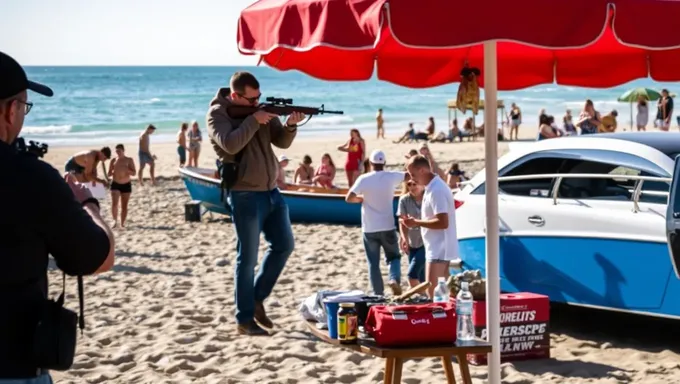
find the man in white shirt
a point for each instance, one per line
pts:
(375, 191)
(437, 222)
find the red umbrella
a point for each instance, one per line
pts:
(425, 43)
(593, 43)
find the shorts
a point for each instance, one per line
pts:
(122, 188)
(73, 167)
(515, 122)
(145, 158)
(438, 261)
(182, 152)
(662, 124)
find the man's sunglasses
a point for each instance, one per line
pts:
(251, 100)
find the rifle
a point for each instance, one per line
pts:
(278, 106)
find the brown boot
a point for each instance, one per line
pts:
(261, 316)
(251, 329)
(395, 287)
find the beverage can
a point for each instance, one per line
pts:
(348, 323)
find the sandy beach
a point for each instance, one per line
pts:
(165, 312)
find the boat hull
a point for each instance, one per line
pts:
(303, 207)
(614, 274)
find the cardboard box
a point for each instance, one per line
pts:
(525, 320)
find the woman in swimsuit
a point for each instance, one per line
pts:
(195, 139)
(515, 120)
(546, 131)
(356, 151)
(325, 174)
(304, 173)
(454, 176)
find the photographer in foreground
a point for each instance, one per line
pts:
(42, 214)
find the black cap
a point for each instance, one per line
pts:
(14, 79)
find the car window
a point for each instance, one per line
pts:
(572, 161)
(531, 187)
(655, 192)
(599, 188)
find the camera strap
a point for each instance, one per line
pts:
(81, 300)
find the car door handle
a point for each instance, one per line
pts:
(536, 220)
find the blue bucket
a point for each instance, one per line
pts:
(332, 316)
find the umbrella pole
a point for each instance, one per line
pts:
(493, 320)
(631, 116)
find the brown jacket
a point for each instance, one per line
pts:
(259, 166)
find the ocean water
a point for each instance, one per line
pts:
(107, 105)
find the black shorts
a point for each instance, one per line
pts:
(122, 188)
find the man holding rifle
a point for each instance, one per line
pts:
(249, 172)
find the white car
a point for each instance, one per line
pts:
(583, 220)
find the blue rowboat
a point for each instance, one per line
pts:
(306, 204)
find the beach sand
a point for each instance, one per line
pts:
(165, 314)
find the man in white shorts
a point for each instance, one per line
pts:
(437, 222)
(375, 191)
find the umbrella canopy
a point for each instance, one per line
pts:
(593, 43)
(632, 95)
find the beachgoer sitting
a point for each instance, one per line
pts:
(304, 173)
(608, 122)
(83, 165)
(281, 176)
(546, 130)
(325, 174)
(455, 176)
(409, 135)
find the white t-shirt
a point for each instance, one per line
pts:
(377, 190)
(440, 244)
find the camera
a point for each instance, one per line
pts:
(33, 148)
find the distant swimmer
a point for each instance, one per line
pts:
(83, 165)
(121, 170)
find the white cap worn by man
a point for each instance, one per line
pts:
(437, 222)
(375, 191)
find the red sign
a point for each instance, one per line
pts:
(524, 327)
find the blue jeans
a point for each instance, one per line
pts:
(252, 213)
(44, 379)
(389, 242)
(416, 263)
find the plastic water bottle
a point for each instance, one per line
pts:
(441, 291)
(466, 330)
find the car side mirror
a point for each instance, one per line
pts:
(673, 219)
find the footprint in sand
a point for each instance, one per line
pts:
(203, 319)
(187, 340)
(179, 366)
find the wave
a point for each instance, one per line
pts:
(46, 130)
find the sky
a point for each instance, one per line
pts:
(122, 32)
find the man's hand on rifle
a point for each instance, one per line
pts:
(295, 118)
(263, 117)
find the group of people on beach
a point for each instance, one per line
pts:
(189, 140)
(589, 121)
(118, 178)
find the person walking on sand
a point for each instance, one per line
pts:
(182, 144)
(121, 170)
(437, 221)
(249, 172)
(195, 139)
(410, 239)
(145, 156)
(83, 165)
(380, 124)
(375, 192)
